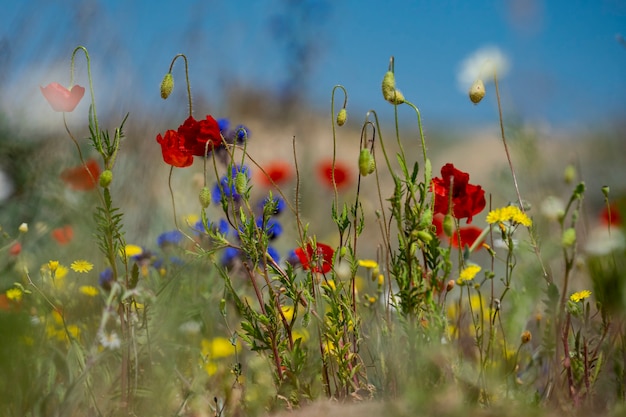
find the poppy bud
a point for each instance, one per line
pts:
(477, 91)
(390, 93)
(367, 164)
(241, 182)
(569, 175)
(105, 178)
(424, 236)
(205, 197)
(341, 117)
(167, 85)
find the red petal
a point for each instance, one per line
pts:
(82, 177)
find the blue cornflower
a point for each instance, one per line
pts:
(173, 237)
(279, 204)
(273, 253)
(229, 255)
(106, 278)
(241, 134)
(223, 123)
(222, 188)
(272, 229)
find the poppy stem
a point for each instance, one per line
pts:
(93, 98)
(186, 79)
(332, 118)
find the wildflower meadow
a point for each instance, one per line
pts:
(370, 280)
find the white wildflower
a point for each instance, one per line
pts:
(110, 340)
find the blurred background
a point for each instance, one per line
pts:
(272, 65)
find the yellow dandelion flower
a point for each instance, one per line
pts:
(510, 214)
(53, 265)
(81, 266)
(88, 290)
(61, 272)
(132, 250)
(14, 294)
(468, 273)
(368, 263)
(580, 295)
(218, 347)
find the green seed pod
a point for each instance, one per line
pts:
(477, 91)
(105, 178)
(205, 197)
(367, 164)
(241, 182)
(342, 116)
(167, 85)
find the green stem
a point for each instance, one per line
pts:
(93, 99)
(186, 79)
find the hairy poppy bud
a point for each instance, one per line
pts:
(341, 117)
(477, 91)
(167, 85)
(367, 164)
(389, 85)
(241, 182)
(569, 237)
(105, 178)
(205, 197)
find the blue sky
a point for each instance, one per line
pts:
(567, 68)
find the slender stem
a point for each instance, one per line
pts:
(93, 99)
(186, 79)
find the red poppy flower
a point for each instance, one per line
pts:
(319, 259)
(278, 172)
(615, 220)
(342, 173)
(63, 235)
(82, 177)
(16, 249)
(173, 149)
(467, 199)
(468, 234)
(196, 134)
(60, 98)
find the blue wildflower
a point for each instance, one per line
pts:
(272, 228)
(273, 253)
(229, 255)
(277, 201)
(223, 123)
(106, 278)
(173, 237)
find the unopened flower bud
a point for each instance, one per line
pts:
(390, 93)
(569, 175)
(105, 178)
(241, 182)
(526, 337)
(205, 197)
(23, 228)
(367, 164)
(450, 285)
(477, 91)
(342, 116)
(424, 236)
(605, 191)
(167, 85)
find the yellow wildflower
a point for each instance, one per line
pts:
(14, 294)
(53, 265)
(510, 214)
(81, 266)
(132, 250)
(88, 290)
(580, 295)
(218, 347)
(287, 312)
(368, 263)
(468, 273)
